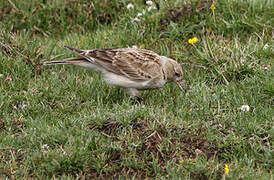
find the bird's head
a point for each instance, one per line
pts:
(175, 74)
(178, 76)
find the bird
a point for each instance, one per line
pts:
(130, 68)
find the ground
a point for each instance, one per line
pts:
(65, 122)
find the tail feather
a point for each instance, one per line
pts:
(81, 53)
(77, 51)
(73, 60)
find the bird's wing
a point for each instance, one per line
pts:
(135, 64)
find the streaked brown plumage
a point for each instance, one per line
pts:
(130, 68)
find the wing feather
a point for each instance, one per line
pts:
(136, 64)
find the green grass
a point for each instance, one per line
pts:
(65, 122)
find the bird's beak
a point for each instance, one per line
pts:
(181, 85)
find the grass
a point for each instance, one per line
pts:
(64, 122)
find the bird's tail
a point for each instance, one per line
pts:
(74, 60)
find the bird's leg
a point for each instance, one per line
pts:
(134, 95)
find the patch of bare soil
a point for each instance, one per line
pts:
(8, 154)
(163, 144)
(177, 14)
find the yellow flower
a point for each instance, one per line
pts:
(192, 40)
(212, 7)
(226, 169)
(167, 175)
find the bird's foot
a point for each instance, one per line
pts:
(136, 100)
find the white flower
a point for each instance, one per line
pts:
(135, 47)
(130, 6)
(144, 12)
(22, 105)
(150, 8)
(265, 67)
(136, 19)
(139, 14)
(45, 147)
(149, 3)
(265, 46)
(245, 108)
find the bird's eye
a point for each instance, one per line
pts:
(177, 74)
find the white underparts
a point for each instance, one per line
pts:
(117, 80)
(91, 66)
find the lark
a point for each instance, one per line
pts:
(130, 68)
